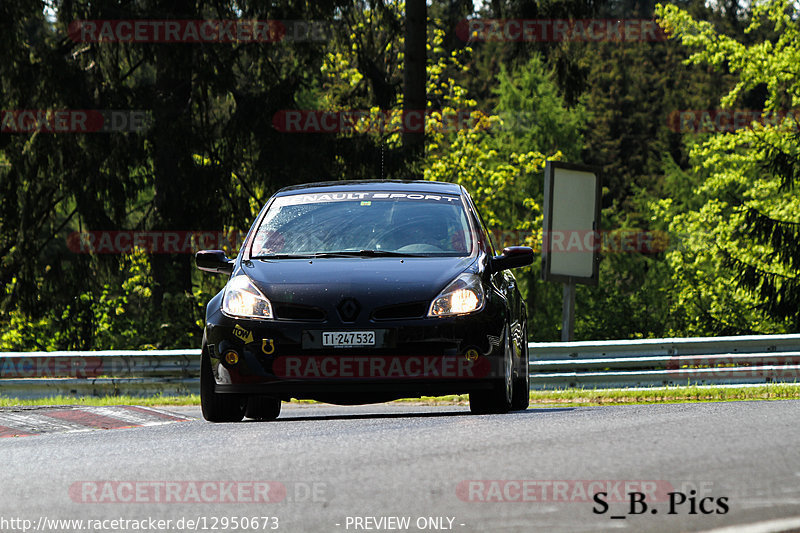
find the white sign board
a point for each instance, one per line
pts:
(571, 239)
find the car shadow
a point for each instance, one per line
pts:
(539, 410)
(368, 416)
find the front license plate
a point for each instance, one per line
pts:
(348, 338)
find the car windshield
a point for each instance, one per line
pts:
(369, 223)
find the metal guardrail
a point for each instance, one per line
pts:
(30, 389)
(588, 364)
(30, 375)
(665, 362)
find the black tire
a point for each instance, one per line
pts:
(262, 408)
(496, 400)
(522, 384)
(218, 407)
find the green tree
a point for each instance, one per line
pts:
(738, 272)
(500, 159)
(210, 160)
(536, 114)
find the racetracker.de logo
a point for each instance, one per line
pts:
(39, 366)
(200, 31)
(384, 367)
(616, 241)
(177, 491)
(560, 30)
(559, 491)
(153, 242)
(729, 120)
(376, 121)
(764, 367)
(73, 120)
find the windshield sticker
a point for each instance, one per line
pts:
(365, 197)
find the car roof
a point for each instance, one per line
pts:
(376, 185)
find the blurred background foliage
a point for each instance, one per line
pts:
(213, 156)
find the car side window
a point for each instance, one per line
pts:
(483, 233)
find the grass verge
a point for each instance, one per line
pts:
(152, 401)
(546, 398)
(692, 393)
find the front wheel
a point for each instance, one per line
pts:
(522, 384)
(217, 407)
(496, 400)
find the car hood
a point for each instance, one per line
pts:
(372, 281)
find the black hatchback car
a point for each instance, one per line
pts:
(357, 292)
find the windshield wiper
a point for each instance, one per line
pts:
(284, 256)
(366, 253)
(341, 253)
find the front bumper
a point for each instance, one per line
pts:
(412, 357)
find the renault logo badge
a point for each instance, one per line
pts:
(348, 309)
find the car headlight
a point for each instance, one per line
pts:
(243, 299)
(464, 295)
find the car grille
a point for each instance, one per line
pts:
(407, 310)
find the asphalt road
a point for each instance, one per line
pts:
(328, 468)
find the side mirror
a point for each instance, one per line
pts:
(214, 261)
(512, 257)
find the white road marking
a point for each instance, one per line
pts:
(768, 526)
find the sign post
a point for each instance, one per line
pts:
(571, 238)
(568, 312)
